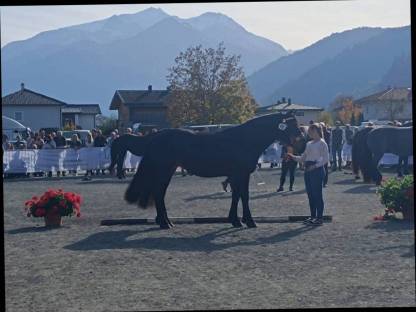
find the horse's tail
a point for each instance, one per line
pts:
(361, 155)
(140, 188)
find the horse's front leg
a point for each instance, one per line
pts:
(232, 215)
(244, 194)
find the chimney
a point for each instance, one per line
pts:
(149, 88)
(289, 101)
(22, 86)
(283, 100)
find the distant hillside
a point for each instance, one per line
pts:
(265, 81)
(88, 62)
(356, 71)
(399, 74)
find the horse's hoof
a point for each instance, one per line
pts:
(251, 224)
(165, 226)
(237, 224)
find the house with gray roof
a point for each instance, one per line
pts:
(38, 111)
(147, 107)
(389, 104)
(303, 113)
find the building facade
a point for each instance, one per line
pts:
(304, 114)
(390, 104)
(37, 111)
(145, 107)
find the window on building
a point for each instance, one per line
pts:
(300, 113)
(18, 116)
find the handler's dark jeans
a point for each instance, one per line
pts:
(326, 174)
(291, 167)
(336, 150)
(313, 183)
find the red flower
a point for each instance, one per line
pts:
(62, 203)
(40, 212)
(78, 214)
(35, 198)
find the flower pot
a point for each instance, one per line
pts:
(53, 220)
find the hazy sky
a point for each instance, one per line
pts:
(295, 25)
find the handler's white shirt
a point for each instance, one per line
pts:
(315, 151)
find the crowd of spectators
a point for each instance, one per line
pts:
(56, 140)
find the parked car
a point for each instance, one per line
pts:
(82, 135)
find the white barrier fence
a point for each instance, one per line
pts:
(28, 161)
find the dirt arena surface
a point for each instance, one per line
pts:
(351, 262)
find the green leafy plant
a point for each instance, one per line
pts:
(397, 194)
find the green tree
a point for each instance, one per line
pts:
(108, 124)
(208, 87)
(326, 117)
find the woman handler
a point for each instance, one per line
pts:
(314, 157)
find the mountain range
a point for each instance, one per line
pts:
(356, 62)
(88, 62)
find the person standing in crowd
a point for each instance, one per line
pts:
(42, 134)
(315, 157)
(100, 141)
(38, 140)
(6, 143)
(60, 142)
(111, 138)
(89, 142)
(20, 144)
(347, 148)
(49, 144)
(31, 141)
(327, 138)
(336, 146)
(129, 131)
(75, 143)
(288, 164)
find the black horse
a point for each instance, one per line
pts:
(370, 144)
(128, 142)
(233, 153)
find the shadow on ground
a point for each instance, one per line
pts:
(392, 225)
(364, 188)
(203, 243)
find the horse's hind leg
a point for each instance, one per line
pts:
(162, 216)
(247, 218)
(232, 215)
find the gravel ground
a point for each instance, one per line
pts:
(351, 262)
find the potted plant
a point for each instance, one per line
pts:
(53, 205)
(397, 195)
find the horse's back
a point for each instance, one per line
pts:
(395, 140)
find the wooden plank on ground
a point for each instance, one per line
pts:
(207, 220)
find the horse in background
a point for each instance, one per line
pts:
(232, 153)
(128, 142)
(370, 144)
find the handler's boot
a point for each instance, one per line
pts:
(280, 189)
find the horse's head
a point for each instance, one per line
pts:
(289, 131)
